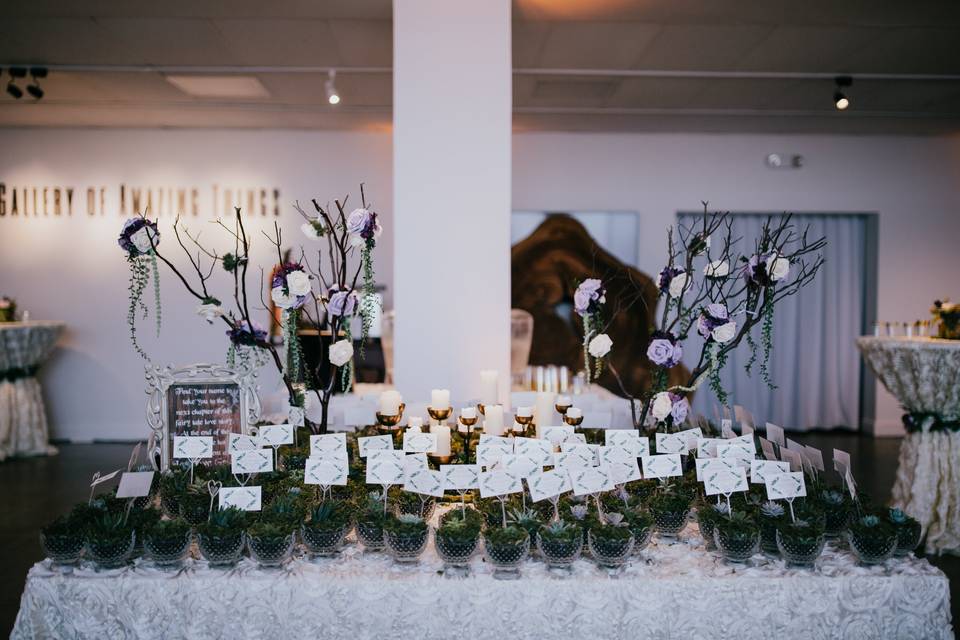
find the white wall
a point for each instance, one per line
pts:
(911, 183)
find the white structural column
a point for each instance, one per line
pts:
(452, 104)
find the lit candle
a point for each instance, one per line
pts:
(443, 438)
(440, 398)
(574, 412)
(489, 386)
(493, 419)
(415, 424)
(390, 402)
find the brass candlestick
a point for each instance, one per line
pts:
(440, 415)
(526, 421)
(390, 424)
(562, 408)
(438, 459)
(468, 423)
(573, 422)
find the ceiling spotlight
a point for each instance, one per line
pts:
(12, 88)
(332, 96)
(34, 87)
(840, 99)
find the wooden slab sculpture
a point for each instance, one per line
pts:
(545, 270)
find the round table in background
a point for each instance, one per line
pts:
(924, 376)
(23, 420)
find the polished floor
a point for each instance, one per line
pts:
(35, 490)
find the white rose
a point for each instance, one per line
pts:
(778, 267)
(662, 405)
(707, 242)
(600, 345)
(310, 230)
(677, 284)
(725, 332)
(717, 269)
(298, 282)
(209, 312)
(141, 239)
(281, 299)
(340, 352)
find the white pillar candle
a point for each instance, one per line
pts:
(493, 419)
(489, 386)
(443, 438)
(574, 412)
(440, 398)
(415, 424)
(390, 402)
(544, 409)
(524, 412)
(563, 401)
(468, 412)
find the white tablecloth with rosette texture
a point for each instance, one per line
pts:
(924, 375)
(24, 346)
(673, 591)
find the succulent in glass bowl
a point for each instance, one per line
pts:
(872, 539)
(505, 548)
(109, 541)
(370, 523)
(173, 484)
(771, 516)
(457, 539)
(194, 506)
(836, 509)
(405, 537)
(413, 503)
(611, 543)
(287, 509)
(167, 542)
(708, 513)
(908, 530)
(641, 524)
(527, 519)
(324, 532)
(670, 511)
(221, 539)
(737, 536)
(560, 543)
(62, 541)
(270, 542)
(141, 520)
(800, 542)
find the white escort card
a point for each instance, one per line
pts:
(243, 498)
(841, 461)
(329, 445)
(726, 428)
(327, 471)
(624, 472)
(589, 480)
(414, 461)
(240, 441)
(775, 435)
(786, 486)
(425, 481)
(628, 439)
(296, 416)
(135, 484)
(499, 482)
(725, 481)
(587, 452)
(691, 436)
(662, 466)
(767, 447)
(251, 461)
(419, 442)
(274, 435)
(523, 466)
(736, 450)
(541, 451)
(710, 465)
(567, 459)
(370, 444)
(760, 470)
(386, 467)
(671, 443)
(794, 458)
(744, 441)
(815, 456)
(491, 448)
(556, 435)
(708, 446)
(193, 447)
(548, 484)
(460, 477)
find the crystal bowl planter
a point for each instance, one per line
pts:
(506, 558)
(323, 541)
(669, 524)
(455, 553)
(837, 518)
(736, 549)
(110, 553)
(270, 551)
(406, 547)
(167, 551)
(195, 511)
(768, 536)
(908, 538)
(221, 551)
(560, 554)
(872, 549)
(370, 536)
(641, 539)
(800, 554)
(62, 549)
(610, 554)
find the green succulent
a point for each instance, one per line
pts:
(109, 526)
(287, 510)
(405, 524)
(505, 536)
(611, 532)
(561, 531)
(329, 514)
(639, 522)
(738, 525)
(898, 517)
(670, 502)
(460, 528)
(832, 498)
(527, 519)
(224, 522)
(804, 533)
(168, 530)
(270, 530)
(372, 512)
(771, 510)
(64, 526)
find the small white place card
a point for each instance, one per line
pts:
(793, 457)
(726, 428)
(841, 461)
(691, 436)
(425, 482)
(296, 416)
(274, 435)
(775, 435)
(241, 441)
(193, 447)
(328, 445)
(671, 443)
(624, 471)
(491, 448)
(588, 452)
(725, 481)
(460, 477)
(760, 470)
(567, 459)
(548, 484)
(135, 484)
(251, 461)
(556, 435)
(525, 466)
(767, 447)
(733, 449)
(628, 439)
(537, 449)
(786, 486)
(244, 498)
(419, 442)
(745, 441)
(708, 446)
(369, 444)
(662, 466)
(386, 467)
(711, 465)
(414, 461)
(588, 480)
(499, 482)
(326, 471)
(815, 456)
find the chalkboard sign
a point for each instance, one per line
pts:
(200, 400)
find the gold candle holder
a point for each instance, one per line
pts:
(482, 409)
(526, 421)
(390, 424)
(440, 415)
(562, 408)
(573, 422)
(440, 459)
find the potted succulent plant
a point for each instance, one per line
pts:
(294, 459)
(457, 539)
(737, 537)
(771, 516)
(370, 523)
(908, 531)
(670, 511)
(406, 537)
(62, 541)
(800, 542)
(872, 539)
(506, 548)
(141, 520)
(611, 543)
(271, 541)
(324, 532)
(167, 542)
(109, 541)
(641, 525)
(173, 484)
(560, 543)
(194, 505)
(414, 503)
(286, 509)
(836, 509)
(527, 519)
(221, 538)
(708, 513)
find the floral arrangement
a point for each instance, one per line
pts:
(947, 315)
(346, 290)
(8, 309)
(588, 302)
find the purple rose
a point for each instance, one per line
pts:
(667, 274)
(363, 223)
(290, 285)
(679, 409)
(342, 303)
(710, 318)
(664, 350)
(588, 296)
(244, 335)
(138, 236)
(755, 271)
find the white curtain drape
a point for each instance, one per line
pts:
(814, 363)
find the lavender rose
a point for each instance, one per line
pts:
(342, 303)
(290, 286)
(588, 296)
(679, 409)
(664, 350)
(710, 318)
(362, 224)
(245, 335)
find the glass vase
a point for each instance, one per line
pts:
(872, 549)
(455, 552)
(641, 539)
(559, 555)
(800, 554)
(167, 551)
(837, 517)
(63, 550)
(406, 547)
(610, 554)
(370, 536)
(908, 538)
(736, 548)
(110, 553)
(221, 551)
(507, 558)
(270, 552)
(323, 542)
(669, 524)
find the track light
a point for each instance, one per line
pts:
(332, 96)
(12, 88)
(34, 87)
(840, 99)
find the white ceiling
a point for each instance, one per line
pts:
(808, 36)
